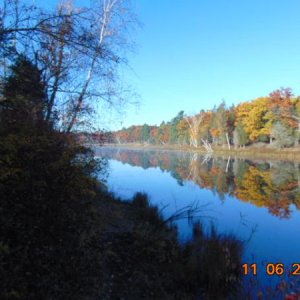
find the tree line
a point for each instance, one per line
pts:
(274, 120)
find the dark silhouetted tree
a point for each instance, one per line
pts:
(24, 97)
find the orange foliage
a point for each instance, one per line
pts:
(215, 132)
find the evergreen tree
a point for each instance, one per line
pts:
(24, 97)
(145, 133)
(173, 130)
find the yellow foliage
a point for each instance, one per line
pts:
(256, 117)
(256, 186)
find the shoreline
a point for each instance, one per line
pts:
(292, 154)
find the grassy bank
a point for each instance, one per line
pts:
(144, 260)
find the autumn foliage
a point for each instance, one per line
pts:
(248, 123)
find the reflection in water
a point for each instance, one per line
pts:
(259, 200)
(274, 185)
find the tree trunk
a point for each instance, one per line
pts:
(227, 166)
(106, 12)
(228, 142)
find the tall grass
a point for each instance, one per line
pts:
(147, 261)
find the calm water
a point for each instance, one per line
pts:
(257, 201)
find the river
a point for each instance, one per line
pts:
(256, 201)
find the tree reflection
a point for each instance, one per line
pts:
(271, 184)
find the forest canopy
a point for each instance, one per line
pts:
(273, 120)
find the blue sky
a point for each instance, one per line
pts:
(192, 54)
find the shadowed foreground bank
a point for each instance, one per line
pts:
(62, 236)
